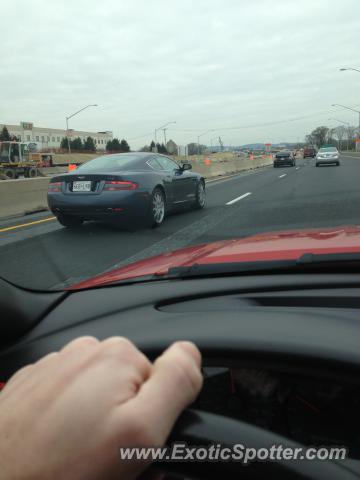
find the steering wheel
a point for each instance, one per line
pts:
(200, 428)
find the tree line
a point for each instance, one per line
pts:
(343, 137)
(155, 147)
(115, 145)
(89, 145)
(196, 149)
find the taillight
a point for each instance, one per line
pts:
(120, 185)
(54, 187)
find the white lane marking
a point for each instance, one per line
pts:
(217, 181)
(238, 198)
(297, 168)
(283, 175)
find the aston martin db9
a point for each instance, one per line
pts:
(125, 187)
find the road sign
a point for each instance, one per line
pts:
(267, 146)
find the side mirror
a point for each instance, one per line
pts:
(186, 166)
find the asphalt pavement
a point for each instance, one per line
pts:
(37, 252)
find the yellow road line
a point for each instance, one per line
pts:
(22, 225)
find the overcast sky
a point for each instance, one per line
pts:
(206, 64)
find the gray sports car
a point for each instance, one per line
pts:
(125, 187)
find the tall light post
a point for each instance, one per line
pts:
(348, 125)
(353, 69)
(348, 108)
(162, 128)
(198, 139)
(212, 139)
(73, 115)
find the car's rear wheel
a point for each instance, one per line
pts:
(157, 208)
(200, 196)
(316, 164)
(69, 221)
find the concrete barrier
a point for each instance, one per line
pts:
(51, 171)
(222, 167)
(18, 197)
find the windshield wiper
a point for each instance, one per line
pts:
(307, 262)
(200, 270)
(329, 258)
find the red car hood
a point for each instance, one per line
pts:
(285, 245)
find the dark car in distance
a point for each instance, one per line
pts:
(125, 188)
(309, 152)
(284, 158)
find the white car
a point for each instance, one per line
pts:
(327, 156)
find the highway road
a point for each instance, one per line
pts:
(35, 251)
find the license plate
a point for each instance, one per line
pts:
(81, 186)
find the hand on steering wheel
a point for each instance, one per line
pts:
(66, 415)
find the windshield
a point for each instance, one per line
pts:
(4, 151)
(182, 133)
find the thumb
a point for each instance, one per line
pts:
(174, 383)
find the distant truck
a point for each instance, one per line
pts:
(16, 159)
(42, 159)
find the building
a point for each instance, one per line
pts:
(182, 150)
(48, 138)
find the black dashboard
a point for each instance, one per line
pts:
(307, 410)
(280, 351)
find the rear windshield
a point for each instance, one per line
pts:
(113, 162)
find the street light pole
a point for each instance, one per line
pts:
(67, 134)
(348, 108)
(73, 115)
(348, 125)
(211, 140)
(198, 139)
(358, 71)
(353, 69)
(162, 128)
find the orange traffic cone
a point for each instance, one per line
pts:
(71, 167)
(207, 161)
